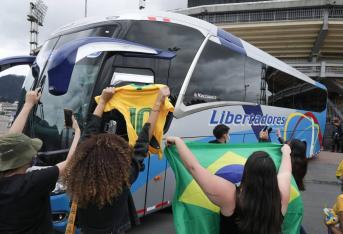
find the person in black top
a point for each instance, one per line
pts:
(221, 133)
(299, 162)
(104, 167)
(258, 205)
(25, 196)
(337, 135)
(298, 159)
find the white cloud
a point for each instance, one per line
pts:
(14, 36)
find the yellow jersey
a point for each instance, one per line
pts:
(338, 207)
(135, 103)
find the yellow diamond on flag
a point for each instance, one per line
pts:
(195, 196)
(294, 194)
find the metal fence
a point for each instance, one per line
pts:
(193, 3)
(271, 15)
(316, 70)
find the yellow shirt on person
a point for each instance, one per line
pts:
(339, 170)
(338, 207)
(135, 103)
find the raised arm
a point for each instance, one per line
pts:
(284, 177)
(61, 166)
(141, 146)
(218, 190)
(162, 95)
(279, 137)
(106, 95)
(31, 99)
(94, 122)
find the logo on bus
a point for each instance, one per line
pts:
(226, 117)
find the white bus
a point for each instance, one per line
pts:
(214, 78)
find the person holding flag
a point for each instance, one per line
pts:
(258, 205)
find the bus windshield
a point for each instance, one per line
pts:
(48, 122)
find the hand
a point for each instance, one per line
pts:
(171, 140)
(75, 125)
(278, 133)
(32, 97)
(285, 149)
(163, 93)
(107, 94)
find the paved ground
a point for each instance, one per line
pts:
(322, 188)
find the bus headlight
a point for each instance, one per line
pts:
(59, 188)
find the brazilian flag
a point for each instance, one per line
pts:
(193, 212)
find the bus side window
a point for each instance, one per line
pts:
(182, 40)
(218, 76)
(143, 66)
(290, 92)
(255, 85)
(13, 87)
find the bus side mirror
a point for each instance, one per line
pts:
(63, 60)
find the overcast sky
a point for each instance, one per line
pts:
(14, 36)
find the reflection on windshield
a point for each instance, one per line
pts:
(48, 123)
(50, 116)
(45, 52)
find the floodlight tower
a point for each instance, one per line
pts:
(36, 18)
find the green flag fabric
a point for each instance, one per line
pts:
(192, 211)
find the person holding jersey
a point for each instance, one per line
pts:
(25, 196)
(259, 204)
(104, 167)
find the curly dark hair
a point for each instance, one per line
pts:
(99, 171)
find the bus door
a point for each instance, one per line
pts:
(148, 189)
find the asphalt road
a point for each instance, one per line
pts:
(322, 187)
